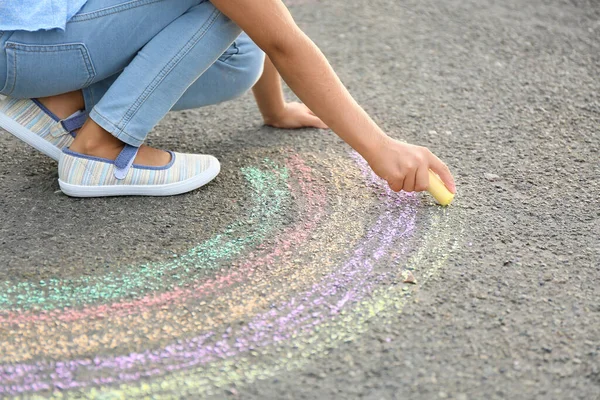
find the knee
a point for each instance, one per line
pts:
(234, 73)
(245, 63)
(256, 66)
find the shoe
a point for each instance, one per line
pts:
(37, 126)
(80, 175)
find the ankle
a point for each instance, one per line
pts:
(97, 149)
(92, 140)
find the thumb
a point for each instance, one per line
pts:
(437, 166)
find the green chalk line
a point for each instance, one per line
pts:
(438, 243)
(270, 192)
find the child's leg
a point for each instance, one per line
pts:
(158, 48)
(162, 48)
(161, 72)
(100, 41)
(233, 74)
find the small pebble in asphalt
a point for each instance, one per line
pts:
(491, 177)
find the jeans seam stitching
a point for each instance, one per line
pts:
(88, 64)
(14, 77)
(45, 48)
(168, 68)
(111, 10)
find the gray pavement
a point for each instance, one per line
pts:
(507, 93)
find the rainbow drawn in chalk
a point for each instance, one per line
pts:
(279, 294)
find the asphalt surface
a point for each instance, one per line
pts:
(506, 304)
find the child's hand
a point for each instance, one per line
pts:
(406, 167)
(293, 116)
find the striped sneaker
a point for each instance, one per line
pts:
(37, 126)
(80, 175)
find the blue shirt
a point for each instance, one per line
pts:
(33, 15)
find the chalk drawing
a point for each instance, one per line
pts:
(281, 293)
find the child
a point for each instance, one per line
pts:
(109, 70)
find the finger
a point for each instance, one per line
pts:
(422, 182)
(396, 184)
(409, 181)
(437, 166)
(315, 122)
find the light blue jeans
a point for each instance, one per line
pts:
(135, 60)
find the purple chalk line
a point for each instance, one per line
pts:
(353, 281)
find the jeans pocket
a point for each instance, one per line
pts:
(45, 70)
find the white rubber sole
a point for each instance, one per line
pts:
(29, 137)
(169, 189)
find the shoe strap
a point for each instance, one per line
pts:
(124, 161)
(69, 124)
(74, 122)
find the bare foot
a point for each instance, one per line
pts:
(92, 140)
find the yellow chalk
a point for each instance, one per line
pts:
(438, 190)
